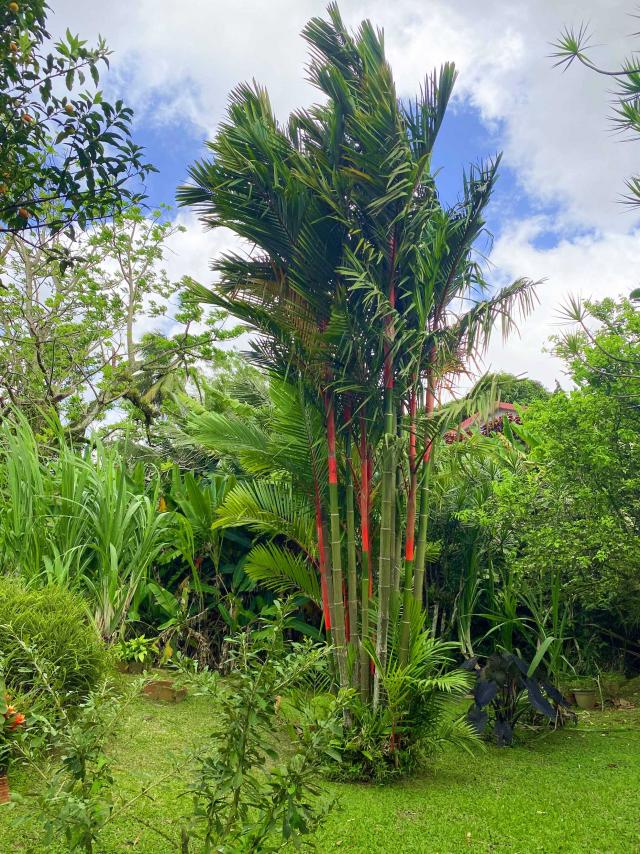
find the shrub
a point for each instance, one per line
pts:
(246, 797)
(55, 626)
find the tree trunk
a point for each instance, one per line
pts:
(366, 578)
(410, 534)
(388, 500)
(322, 557)
(338, 623)
(352, 575)
(418, 575)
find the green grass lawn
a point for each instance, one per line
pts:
(577, 790)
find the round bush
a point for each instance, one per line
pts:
(59, 637)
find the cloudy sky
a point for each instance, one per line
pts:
(556, 214)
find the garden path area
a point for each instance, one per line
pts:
(573, 791)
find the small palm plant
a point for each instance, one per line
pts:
(418, 717)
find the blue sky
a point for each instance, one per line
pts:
(555, 215)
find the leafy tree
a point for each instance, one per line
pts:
(365, 289)
(69, 331)
(66, 153)
(577, 509)
(604, 358)
(464, 478)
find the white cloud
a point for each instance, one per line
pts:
(190, 55)
(553, 127)
(178, 61)
(191, 251)
(181, 60)
(593, 267)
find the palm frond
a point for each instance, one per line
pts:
(283, 571)
(271, 509)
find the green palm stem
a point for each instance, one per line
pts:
(325, 531)
(366, 578)
(386, 544)
(338, 621)
(352, 574)
(388, 502)
(418, 573)
(409, 552)
(320, 533)
(325, 535)
(396, 522)
(396, 534)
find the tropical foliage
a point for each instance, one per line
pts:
(575, 45)
(67, 155)
(368, 297)
(504, 685)
(324, 538)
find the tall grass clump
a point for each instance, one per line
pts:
(81, 521)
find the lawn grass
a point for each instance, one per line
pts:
(572, 791)
(576, 790)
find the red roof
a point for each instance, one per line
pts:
(492, 424)
(502, 407)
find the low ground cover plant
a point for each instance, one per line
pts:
(138, 650)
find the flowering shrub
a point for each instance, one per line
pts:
(11, 722)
